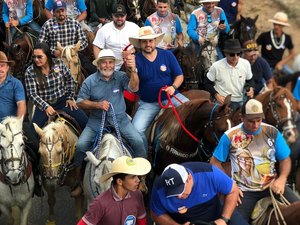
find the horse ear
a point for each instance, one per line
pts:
(227, 100)
(90, 156)
(38, 129)
(77, 46)
(59, 47)
(242, 18)
(255, 19)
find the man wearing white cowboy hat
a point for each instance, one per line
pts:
(205, 24)
(275, 42)
(100, 92)
(156, 68)
(122, 203)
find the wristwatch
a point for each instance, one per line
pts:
(174, 86)
(134, 70)
(225, 219)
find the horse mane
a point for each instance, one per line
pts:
(171, 128)
(51, 130)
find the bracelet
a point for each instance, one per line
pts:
(225, 219)
(132, 70)
(174, 86)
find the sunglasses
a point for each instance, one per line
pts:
(234, 54)
(37, 56)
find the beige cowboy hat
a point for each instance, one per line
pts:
(203, 1)
(145, 33)
(128, 165)
(106, 54)
(280, 18)
(3, 59)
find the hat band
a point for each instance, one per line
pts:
(146, 32)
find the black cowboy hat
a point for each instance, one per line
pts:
(232, 46)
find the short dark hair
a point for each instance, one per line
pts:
(118, 176)
(163, 1)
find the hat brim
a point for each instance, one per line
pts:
(140, 168)
(233, 50)
(95, 62)
(173, 192)
(279, 22)
(254, 116)
(10, 63)
(135, 41)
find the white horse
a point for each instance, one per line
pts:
(109, 149)
(16, 177)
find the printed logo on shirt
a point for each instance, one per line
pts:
(130, 220)
(269, 47)
(163, 67)
(116, 90)
(233, 4)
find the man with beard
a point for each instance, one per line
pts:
(156, 68)
(67, 31)
(115, 34)
(103, 91)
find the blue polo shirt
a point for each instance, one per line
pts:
(11, 91)
(203, 202)
(96, 89)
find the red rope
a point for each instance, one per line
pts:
(175, 111)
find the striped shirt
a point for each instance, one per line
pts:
(59, 83)
(68, 33)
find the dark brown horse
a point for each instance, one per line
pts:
(172, 144)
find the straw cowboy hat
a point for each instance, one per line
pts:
(3, 59)
(106, 54)
(145, 33)
(203, 1)
(280, 18)
(127, 165)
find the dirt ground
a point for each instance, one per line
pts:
(266, 10)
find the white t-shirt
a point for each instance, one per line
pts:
(230, 80)
(109, 37)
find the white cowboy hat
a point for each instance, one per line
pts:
(145, 33)
(127, 165)
(106, 54)
(280, 18)
(203, 1)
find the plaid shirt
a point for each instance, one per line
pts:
(59, 83)
(68, 33)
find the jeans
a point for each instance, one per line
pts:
(40, 117)
(33, 25)
(148, 110)
(128, 132)
(251, 197)
(286, 69)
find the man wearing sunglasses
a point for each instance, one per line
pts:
(230, 76)
(115, 35)
(206, 23)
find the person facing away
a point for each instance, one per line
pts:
(123, 203)
(164, 21)
(262, 74)
(103, 92)
(12, 98)
(189, 193)
(267, 146)
(156, 68)
(230, 76)
(206, 23)
(232, 9)
(275, 42)
(17, 13)
(115, 35)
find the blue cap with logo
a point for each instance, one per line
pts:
(174, 177)
(59, 5)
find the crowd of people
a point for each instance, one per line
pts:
(141, 60)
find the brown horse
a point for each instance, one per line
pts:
(38, 12)
(57, 146)
(172, 144)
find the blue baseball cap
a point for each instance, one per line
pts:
(59, 5)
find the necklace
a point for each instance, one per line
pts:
(277, 44)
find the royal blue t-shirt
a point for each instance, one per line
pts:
(157, 74)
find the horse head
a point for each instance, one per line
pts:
(12, 155)
(247, 29)
(280, 110)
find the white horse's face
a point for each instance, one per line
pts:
(12, 156)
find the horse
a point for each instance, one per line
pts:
(38, 12)
(16, 177)
(69, 55)
(109, 149)
(170, 142)
(138, 10)
(57, 146)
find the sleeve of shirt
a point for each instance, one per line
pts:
(267, 72)
(85, 90)
(81, 5)
(147, 22)
(222, 150)
(249, 71)
(212, 73)
(223, 17)
(19, 94)
(70, 90)
(81, 36)
(282, 149)
(141, 210)
(99, 40)
(5, 12)
(29, 14)
(223, 183)
(155, 203)
(43, 37)
(95, 212)
(178, 25)
(191, 28)
(290, 44)
(49, 4)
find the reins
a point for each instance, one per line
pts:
(170, 103)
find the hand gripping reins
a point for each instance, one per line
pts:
(175, 111)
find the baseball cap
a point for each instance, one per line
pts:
(119, 9)
(253, 109)
(59, 5)
(174, 177)
(250, 45)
